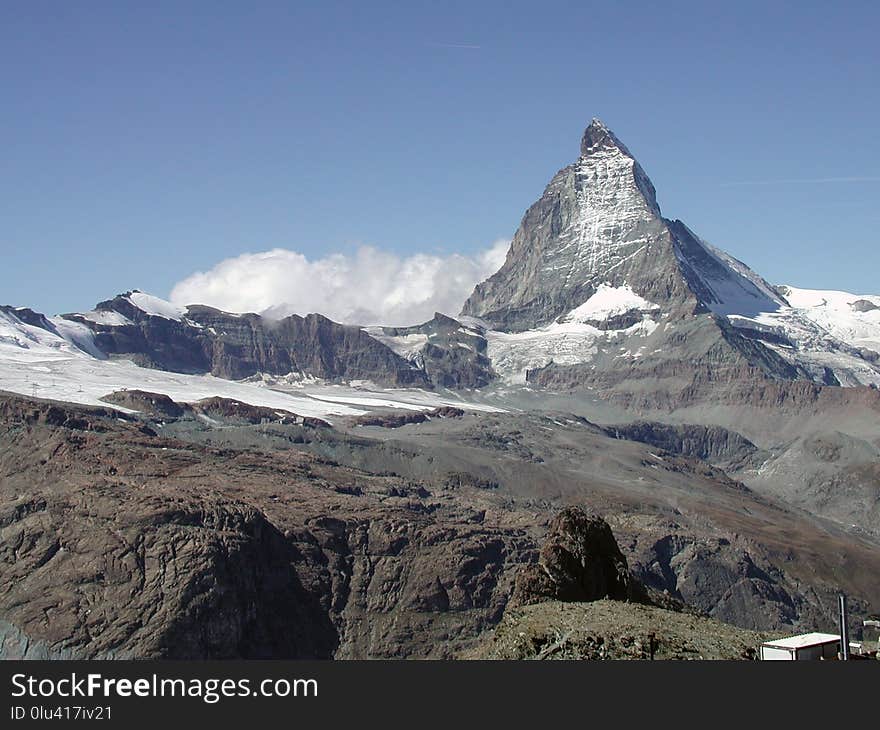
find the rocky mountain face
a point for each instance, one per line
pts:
(120, 543)
(206, 340)
(203, 340)
(452, 354)
(597, 222)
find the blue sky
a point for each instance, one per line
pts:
(144, 141)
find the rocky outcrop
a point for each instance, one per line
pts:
(863, 305)
(454, 355)
(396, 420)
(150, 404)
(220, 410)
(692, 570)
(226, 410)
(710, 443)
(579, 561)
(29, 316)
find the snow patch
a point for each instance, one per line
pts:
(407, 346)
(79, 335)
(156, 307)
(106, 317)
(609, 301)
(821, 331)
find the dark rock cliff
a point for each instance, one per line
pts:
(207, 340)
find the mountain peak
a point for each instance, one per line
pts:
(597, 223)
(598, 136)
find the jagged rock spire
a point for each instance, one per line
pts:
(598, 136)
(597, 223)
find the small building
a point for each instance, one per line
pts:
(804, 646)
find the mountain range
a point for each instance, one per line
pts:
(597, 284)
(728, 427)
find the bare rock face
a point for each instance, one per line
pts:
(453, 356)
(29, 316)
(397, 420)
(579, 561)
(226, 410)
(710, 443)
(206, 340)
(221, 410)
(597, 222)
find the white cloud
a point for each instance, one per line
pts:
(370, 287)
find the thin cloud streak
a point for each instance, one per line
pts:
(803, 181)
(454, 45)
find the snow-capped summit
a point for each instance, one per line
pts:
(597, 223)
(597, 135)
(597, 229)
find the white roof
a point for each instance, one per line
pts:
(803, 640)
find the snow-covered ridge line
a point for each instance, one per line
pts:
(820, 332)
(852, 318)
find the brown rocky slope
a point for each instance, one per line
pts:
(119, 541)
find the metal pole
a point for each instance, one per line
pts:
(844, 628)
